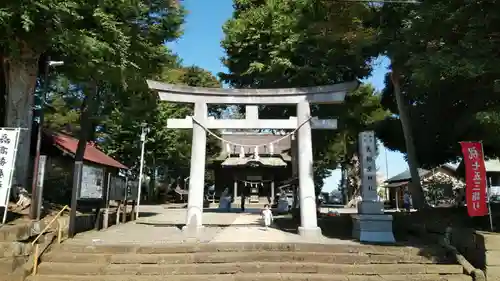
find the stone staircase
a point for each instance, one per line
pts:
(245, 262)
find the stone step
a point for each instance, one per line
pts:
(14, 249)
(254, 277)
(251, 267)
(8, 265)
(246, 247)
(234, 257)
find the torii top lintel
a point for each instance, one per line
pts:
(185, 94)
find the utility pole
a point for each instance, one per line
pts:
(36, 193)
(144, 132)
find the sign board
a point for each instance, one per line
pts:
(494, 190)
(42, 160)
(92, 186)
(41, 170)
(132, 191)
(367, 154)
(9, 139)
(117, 188)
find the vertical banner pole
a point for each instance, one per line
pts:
(488, 192)
(489, 203)
(141, 167)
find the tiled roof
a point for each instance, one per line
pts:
(92, 153)
(251, 139)
(406, 176)
(266, 161)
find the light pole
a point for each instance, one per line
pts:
(144, 131)
(36, 193)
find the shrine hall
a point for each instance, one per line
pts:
(248, 169)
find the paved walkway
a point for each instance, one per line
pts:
(162, 215)
(158, 228)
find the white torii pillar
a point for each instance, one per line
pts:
(307, 193)
(197, 171)
(302, 97)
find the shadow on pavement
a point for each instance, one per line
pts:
(233, 211)
(147, 214)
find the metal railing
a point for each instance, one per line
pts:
(36, 255)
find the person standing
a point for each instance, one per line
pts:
(407, 201)
(243, 199)
(267, 216)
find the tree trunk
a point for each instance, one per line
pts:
(3, 89)
(86, 111)
(20, 78)
(415, 185)
(343, 182)
(353, 177)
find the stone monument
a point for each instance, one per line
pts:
(370, 224)
(302, 98)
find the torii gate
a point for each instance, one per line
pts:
(252, 98)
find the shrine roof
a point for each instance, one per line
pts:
(406, 176)
(92, 153)
(251, 139)
(223, 156)
(265, 161)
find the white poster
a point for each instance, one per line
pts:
(92, 183)
(8, 150)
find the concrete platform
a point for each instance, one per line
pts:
(160, 225)
(165, 216)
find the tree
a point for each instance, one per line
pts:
(444, 55)
(99, 41)
(166, 148)
(274, 44)
(62, 105)
(361, 111)
(448, 79)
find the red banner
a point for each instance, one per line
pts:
(475, 179)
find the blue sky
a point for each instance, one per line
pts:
(200, 45)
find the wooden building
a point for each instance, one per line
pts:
(444, 174)
(60, 150)
(249, 172)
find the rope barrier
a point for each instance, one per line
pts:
(255, 182)
(250, 145)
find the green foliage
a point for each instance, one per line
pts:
(107, 46)
(447, 52)
(62, 105)
(282, 43)
(290, 43)
(165, 147)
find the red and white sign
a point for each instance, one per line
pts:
(475, 179)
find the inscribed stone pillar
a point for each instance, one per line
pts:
(295, 168)
(272, 192)
(295, 155)
(197, 171)
(370, 224)
(235, 188)
(367, 147)
(307, 198)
